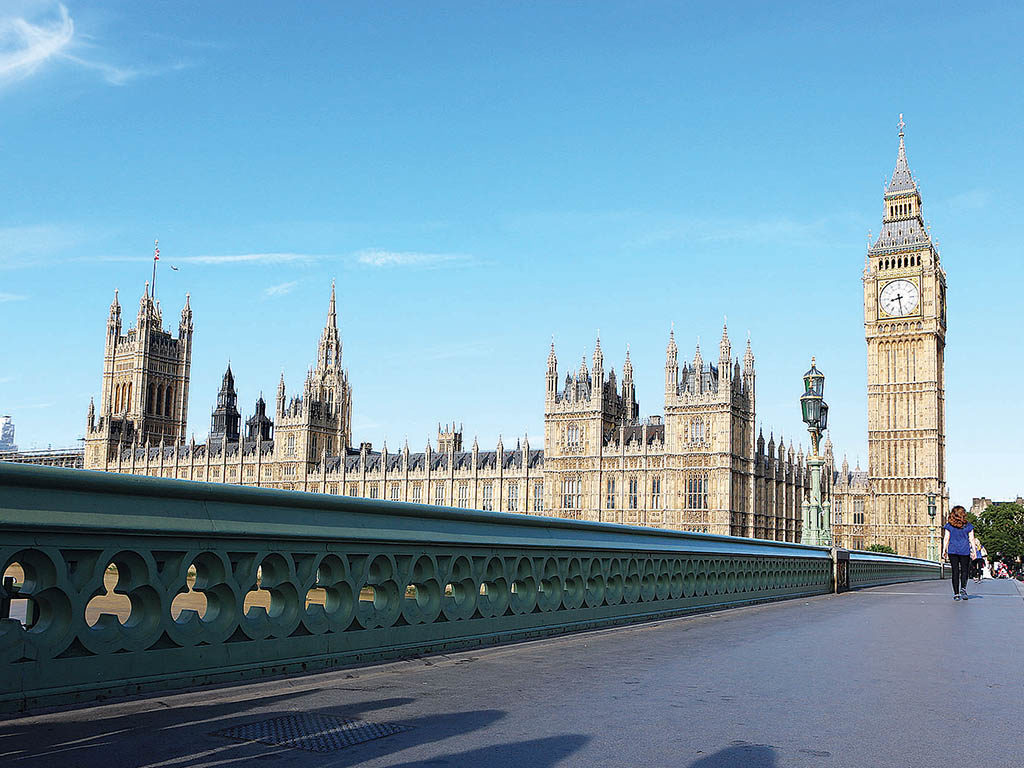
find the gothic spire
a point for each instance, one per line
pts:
(114, 321)
(329, 353)
(627, 366)
(902, 180)
(186, 314)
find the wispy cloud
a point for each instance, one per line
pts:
(5, 297)
(28, 42)
(374, 258)
(26, 246)
(26, 45)
(119, 75)
(381, 258)
(250, 258)
(281, 288)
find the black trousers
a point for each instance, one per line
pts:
(961, 566)
(977, 565)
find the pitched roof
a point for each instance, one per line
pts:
(902, 180)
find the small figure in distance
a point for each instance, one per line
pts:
(978, 564)
(960, 547)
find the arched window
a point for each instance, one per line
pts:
(168, 401)
(151, 399)
(159, 409)
(128, 398)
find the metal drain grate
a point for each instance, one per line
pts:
(313, 733)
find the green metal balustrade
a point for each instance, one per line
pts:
(331, 580)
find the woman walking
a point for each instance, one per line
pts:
(959, 546)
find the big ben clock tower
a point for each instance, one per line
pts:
(905, 327)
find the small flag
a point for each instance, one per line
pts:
(156, 250)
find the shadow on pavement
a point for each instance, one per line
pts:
(536, 753)
(742, 756)
(80, 738)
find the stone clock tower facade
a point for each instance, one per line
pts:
(905, 328)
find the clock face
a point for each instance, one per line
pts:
(899, 298)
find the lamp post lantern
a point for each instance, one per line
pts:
(817, 523)
(933, 553)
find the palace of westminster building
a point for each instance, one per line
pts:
(701, 466)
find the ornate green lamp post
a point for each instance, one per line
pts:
(933, 553)
(817, 523)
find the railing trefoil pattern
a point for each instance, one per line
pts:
(214, 583)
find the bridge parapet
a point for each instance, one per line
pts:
(219, 582)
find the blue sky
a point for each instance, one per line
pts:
(480, 176)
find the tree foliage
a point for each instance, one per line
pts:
(885, 548)
(1000, 528)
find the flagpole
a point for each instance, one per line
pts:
(156, 258)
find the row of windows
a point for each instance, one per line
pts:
(462, 490)
(572, 494)
(695, 492)
(122, 397)
(633, 493)
(898, 262)
(858, 511)
(161, 400)
(695, 431)
(900, 209)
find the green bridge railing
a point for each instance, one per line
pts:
(127, 584)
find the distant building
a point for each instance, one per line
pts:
(53, 457)
(7, 434)
(70, 458)
(979, 505)
(700, 467)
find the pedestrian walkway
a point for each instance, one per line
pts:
(870, 678)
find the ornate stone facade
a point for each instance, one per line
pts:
(698, 468)
(146, 373)
(905, 328)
